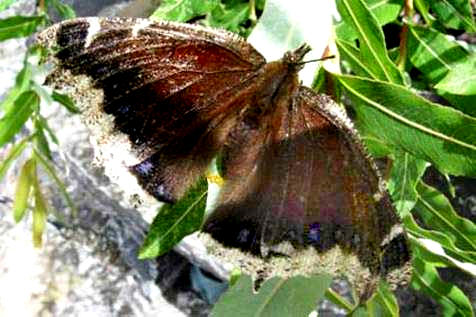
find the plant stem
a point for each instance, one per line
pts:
(408, 16)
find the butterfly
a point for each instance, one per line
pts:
(297, 177)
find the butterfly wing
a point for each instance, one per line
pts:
(311, 185)
(165, 86)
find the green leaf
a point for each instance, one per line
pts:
(424, 9)
(43, 124)
(51, 173)
(174, 222)
(64, 10)
(385, 11)
(24, 186)
(15, 151)
(432, 52)
(383, 303)
(460, 102)
(351, 54)
(22, 82)
(40, 212)
(231, 17)
(5, 4)
(436, 211)
(371, 40)
(66, 101)
(456, 14)
(405, 175)
(14, 119)
(461, 78)
(19, 26)
(183, 10)
(41, 141)
(339, 300)
(294, 297)
(452, 300)
(429, 239)
(429, 131)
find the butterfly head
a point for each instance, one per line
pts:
(294, 58)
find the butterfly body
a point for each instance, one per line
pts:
(297, 176)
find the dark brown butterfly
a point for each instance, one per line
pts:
(297, 176)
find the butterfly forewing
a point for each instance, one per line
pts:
(168, 86)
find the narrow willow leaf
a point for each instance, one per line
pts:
(64, 10)
(22, 82)
(351, 54)
(41, 141)
(432, 132)
(44, 126)
(19, 26)
(14, 120)
(183, 10)
(51, 173)
(406, 173)
(385, 11)
(418, 234)
(339, 300)
(5, 4)
(456, 14)
(15, 151)
(433, 53)
(23, 190)
(296, 296)
(461, 79)
(371, 40)
(436, 211)
(383, 303)
(66, 101)
(174, 222)
(40, 212)
(452, 300)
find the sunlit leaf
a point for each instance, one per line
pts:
(15, 151)
(436, 211)
(406, 174)
(19, 26)
(40, 212)
(14, 119)
(183, 10)
(22, 82)
(66, 101)
(461, 78)
(64, 10)
(5, 4)
(431, 132)
(433, 53)
(456, 14)
(296, 296)
(174, 222)
(51, 173)
(23, 189)
(452, 300)
(385, 11)
(383, 303)
(371, 40)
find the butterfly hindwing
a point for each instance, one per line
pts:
(309, 184)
